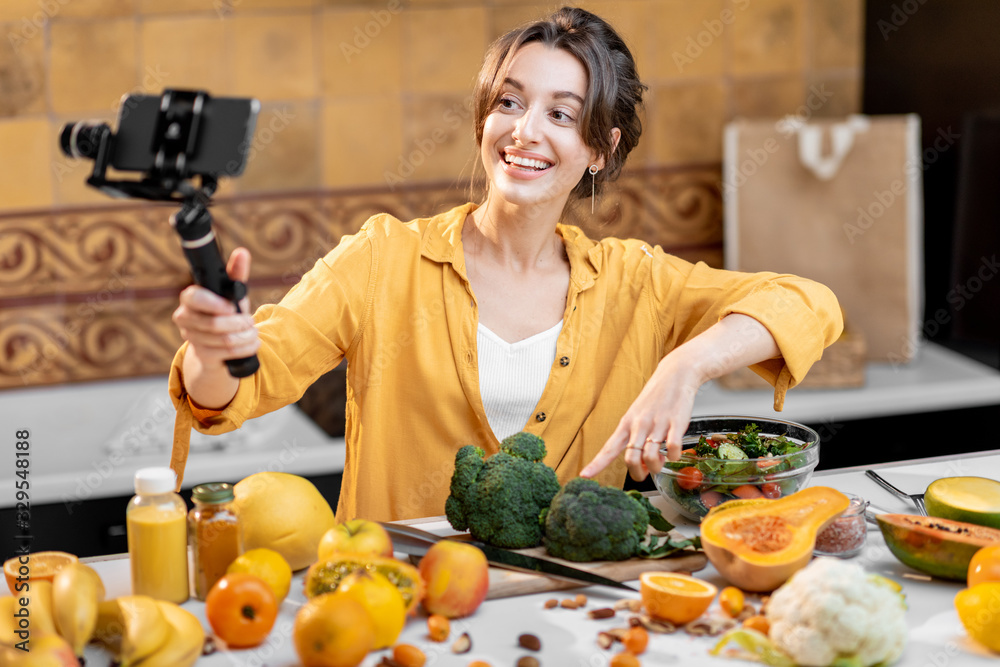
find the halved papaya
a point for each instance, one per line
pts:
(938, 547)
(324, 576)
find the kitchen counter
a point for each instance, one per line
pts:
(568, 637)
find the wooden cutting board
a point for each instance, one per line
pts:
(508, 583)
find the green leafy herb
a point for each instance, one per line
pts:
(652, 548)
(656, 519)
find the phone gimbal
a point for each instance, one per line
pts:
(174, 145)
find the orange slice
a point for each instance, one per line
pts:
(678, 598)
(41, 565)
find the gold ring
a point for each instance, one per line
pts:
(639, 447)
(656, 442)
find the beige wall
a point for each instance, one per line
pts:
(365, 109)
(365, 93)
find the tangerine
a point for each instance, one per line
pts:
(985, 565)
(333, 630)
(38, 566)
(678, 598)
(636, 640)
(624, 659)
(384, 603)
(732, 601)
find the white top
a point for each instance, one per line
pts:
(512, 376)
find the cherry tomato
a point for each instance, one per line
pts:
(241, 609)
(771, 490)
(689, 478)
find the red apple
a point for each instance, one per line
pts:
(357, 536)
(457, 578)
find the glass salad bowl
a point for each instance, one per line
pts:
(730, 457)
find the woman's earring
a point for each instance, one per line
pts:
(593, 187)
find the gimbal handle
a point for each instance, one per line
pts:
(194, 225)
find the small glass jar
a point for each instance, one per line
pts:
(215, 534)
(845, 536)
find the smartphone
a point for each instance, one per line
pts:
(225, 133)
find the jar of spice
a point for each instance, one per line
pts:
(214, 533)
(845, 536)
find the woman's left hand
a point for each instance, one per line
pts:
(662, 411)
(658, 416)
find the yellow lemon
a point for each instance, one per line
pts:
(383, 601)
(979, 609)
(267, 564)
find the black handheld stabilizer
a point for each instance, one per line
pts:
(173, 139)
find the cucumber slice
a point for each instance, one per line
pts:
(727, 450)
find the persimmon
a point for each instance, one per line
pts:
(241, 609)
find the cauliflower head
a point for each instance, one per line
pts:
(832, 609)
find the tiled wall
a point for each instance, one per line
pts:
(363, 98)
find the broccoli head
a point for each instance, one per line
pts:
(587, 521)
(498, 499)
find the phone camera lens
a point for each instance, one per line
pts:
(82, 139)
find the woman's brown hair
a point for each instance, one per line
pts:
(614, 91)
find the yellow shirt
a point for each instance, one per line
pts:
(394, 300)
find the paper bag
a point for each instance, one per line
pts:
(838, 201)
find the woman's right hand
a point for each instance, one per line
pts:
(215, 332)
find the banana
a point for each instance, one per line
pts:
(132, 627)
(40, 618)
(76, 591)
(184, 642)
(8, 624)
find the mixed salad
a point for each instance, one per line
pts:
(742, 464)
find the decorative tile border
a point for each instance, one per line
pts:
(87, 293)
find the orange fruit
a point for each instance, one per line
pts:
(624, 659)
(976, 607)
(731, 600)
(41, 565)
(408, 655)
(438, 627)
(984, 566)
(678, 598)
(758, 623)
(333, 630)
(384, 602)
(267, 564)
(636, 640)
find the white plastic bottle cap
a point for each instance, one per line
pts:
(155, 480)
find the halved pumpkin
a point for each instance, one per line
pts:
(758, 544)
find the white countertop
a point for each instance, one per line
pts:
(937, 379)
(936, 635)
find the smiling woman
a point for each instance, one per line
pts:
(496, 317)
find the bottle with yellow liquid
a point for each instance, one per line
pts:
(156, 519)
